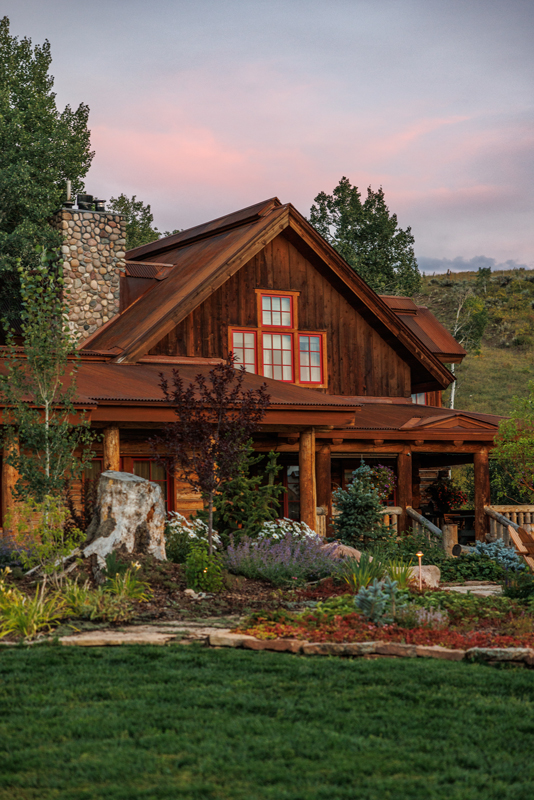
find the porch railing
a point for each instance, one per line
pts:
(391, 517)
(500, 517)
(420, 523)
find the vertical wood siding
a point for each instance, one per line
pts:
(360, 362)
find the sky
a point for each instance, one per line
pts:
(202, 107)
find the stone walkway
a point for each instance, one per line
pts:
(476, 588)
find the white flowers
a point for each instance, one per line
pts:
(192, 529)
(280, 528)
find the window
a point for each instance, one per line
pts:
(311, 370)
(278, 356)
(419, 399)
(152, 471)
(276, 312)
(244, 349)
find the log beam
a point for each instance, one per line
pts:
(482, 494)
(112, 448)
(404, 487)
(324, 480)
(308, 491)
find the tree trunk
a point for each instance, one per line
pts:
(210, 524)
(453, 387)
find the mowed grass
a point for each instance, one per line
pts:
(487, 383)
(188, 722)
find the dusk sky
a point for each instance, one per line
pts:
(201, 107)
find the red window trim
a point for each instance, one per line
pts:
(308, 335)
(245, 330)
(279, 332)
(289, 327)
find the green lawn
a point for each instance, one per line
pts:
(188, 722)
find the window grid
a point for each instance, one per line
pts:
(276, 311)
(244, 349)
(277, 349)
(310, 359)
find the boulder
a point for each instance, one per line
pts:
(344, 551)
(430, 575)
(129, 515)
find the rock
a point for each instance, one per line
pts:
(344, 551)
(339, 648)
(279, 645)
(224, 639)
(435, 651)
(430, 575)
(500, 654)
(395, 649)
(130, 515)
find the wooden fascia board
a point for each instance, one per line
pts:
(365, 294)
(141, 344)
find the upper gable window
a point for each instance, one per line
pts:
(276, 311)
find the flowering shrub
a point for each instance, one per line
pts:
(290, 561)
(280, 528)
(384, 480)
(446, 495)
(180, 533)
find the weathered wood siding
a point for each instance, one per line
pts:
(360, 362)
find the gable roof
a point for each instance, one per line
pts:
(204, 257)
(427, 328)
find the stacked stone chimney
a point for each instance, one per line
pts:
(93, 254)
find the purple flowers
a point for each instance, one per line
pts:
(283, 562)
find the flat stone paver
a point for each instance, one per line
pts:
(181, 633)
(477, 590)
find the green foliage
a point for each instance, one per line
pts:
(203, 571)
(42, 535)
(247, 501)
(400, 570)
(25, 616)
(128, 586)
(98, 605)
(379, 601)
(519, 586)
(180, 533)
(46, 436)
(139, 220)
(40, 148)
(466, 609)
(338, 606)
(445, 495)
(471, 567)
(408, 545)
(368, 237)
(514, 444)
(114, 565)
(360, 519)
(358, 574)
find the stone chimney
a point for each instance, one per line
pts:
(93, 253)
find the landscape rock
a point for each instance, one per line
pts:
(225, 639)
(279, 645)
(344, 551)
(129, 516)
(435, 651)
(430, 575)
(396, 649)
(500, 654)
(339, 648)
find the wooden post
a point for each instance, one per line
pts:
(9, 478)
(112, 448)
(308, 492)
(450, 538)
(482, 494)
(404, 487)
(416, 483)
(324, 481)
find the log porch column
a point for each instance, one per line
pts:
(9, 478)
(112, 448)
(404, 487)
(308, 491)
(482, 493)
(324, 480)
(416, 482)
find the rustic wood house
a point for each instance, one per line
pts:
(351, 374)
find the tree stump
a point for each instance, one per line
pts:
(129, 515)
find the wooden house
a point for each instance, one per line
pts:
(351, 374)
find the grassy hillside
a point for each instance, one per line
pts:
(488, 382)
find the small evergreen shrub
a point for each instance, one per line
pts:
(360, 520)
(503, 555)
(379, 602)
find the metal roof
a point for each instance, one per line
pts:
(428, 329)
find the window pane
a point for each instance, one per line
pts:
(142, 469)
(315, 359)
(304, 343)
(267, 340)
(288, 373)
(277, 318)
(275, 303)
(286, 342)
(277, 341)
(286, 357)
(266, 303)
(315, 343)
(267, 356)
(277, 373)
(305, 374)
(268, 371)
(304, 359)
(286, 318)
(249, 339)
(266, 318)
(238, 339)
(158, 472)
(316, 374)
(286, 303)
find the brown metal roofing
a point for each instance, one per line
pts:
(413, 417)
(145, 269)
(140, 383)
(427, 328)
(244, 215)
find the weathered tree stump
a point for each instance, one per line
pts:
(129, 516)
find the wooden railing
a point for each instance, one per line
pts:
(321, 521)
(391, 517)
(500, 517)
(521, 536)
(422, 523)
